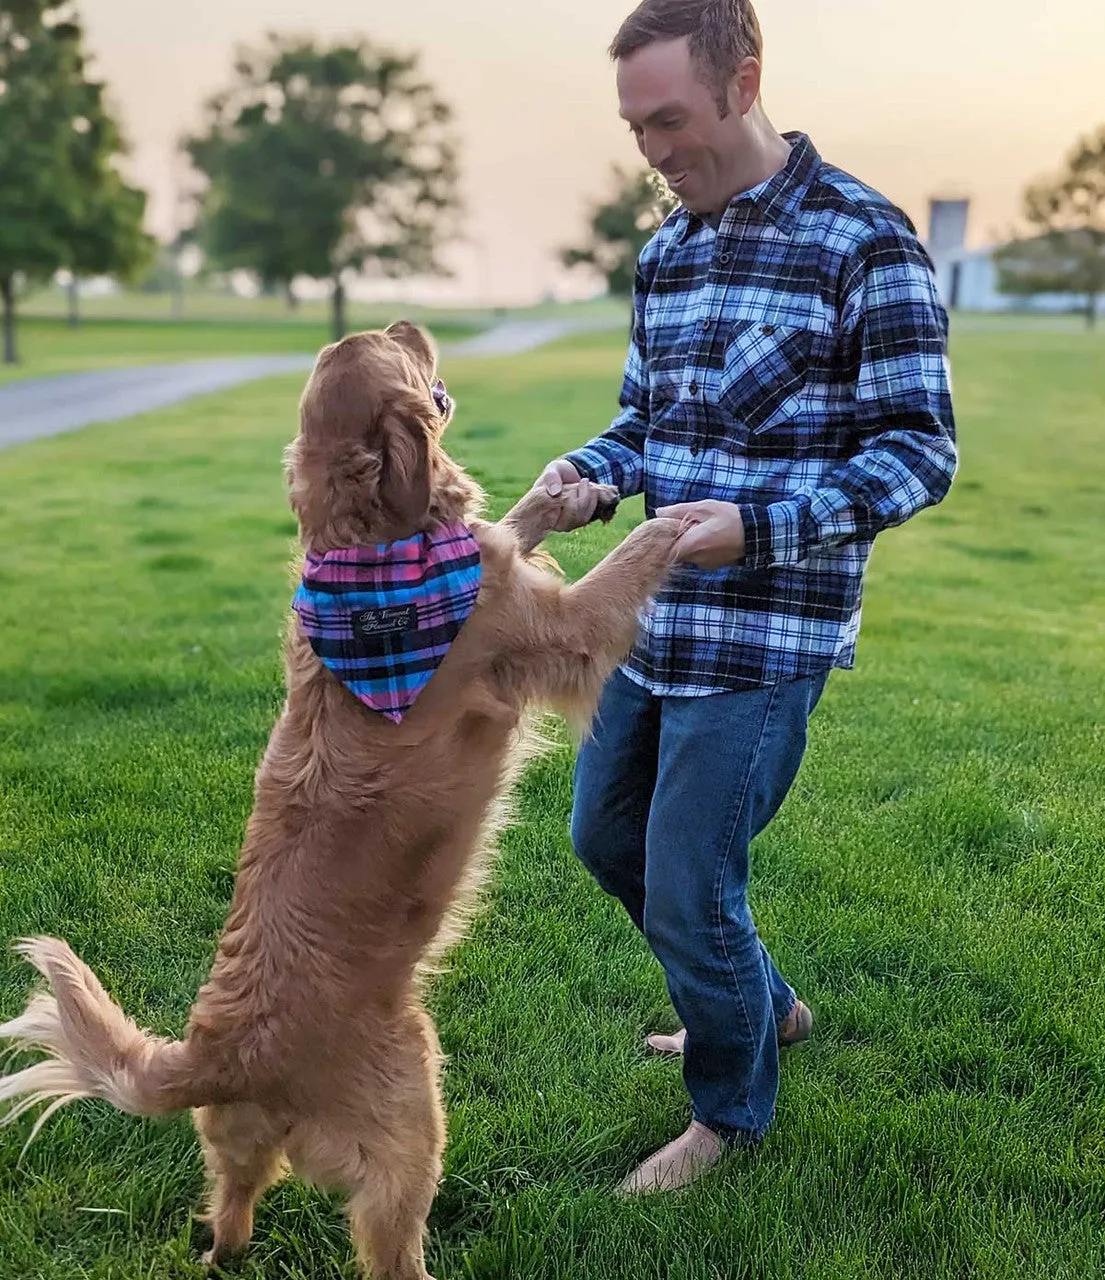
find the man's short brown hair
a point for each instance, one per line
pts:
(721, 34)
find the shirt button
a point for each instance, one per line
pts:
(767, 329)
(693, 388)
(706, 323)
(725, 259)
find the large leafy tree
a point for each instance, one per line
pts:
(621, 227)
(62, 201)
(106, 237)
(326, 161)
(1065, 253)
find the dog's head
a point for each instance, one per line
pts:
(367, 465)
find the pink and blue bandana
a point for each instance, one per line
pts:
(382, 618)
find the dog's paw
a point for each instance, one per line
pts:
(660, 533)
(607, 505)
(538, 513)
(223, 1261)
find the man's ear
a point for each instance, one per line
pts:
(744, 88)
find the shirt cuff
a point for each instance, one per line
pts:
(771, 534)
(594, 465)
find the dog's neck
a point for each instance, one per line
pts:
(455, 497)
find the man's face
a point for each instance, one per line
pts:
(674, 117)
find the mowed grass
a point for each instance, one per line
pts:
(202, 303)
(50, 346)
(933, 887)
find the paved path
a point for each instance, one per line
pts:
(514, 336)
(46, 406)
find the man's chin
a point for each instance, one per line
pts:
(694, 200)
(699, 206)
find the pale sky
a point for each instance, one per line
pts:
(965, 97)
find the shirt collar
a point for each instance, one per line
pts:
(779, 198)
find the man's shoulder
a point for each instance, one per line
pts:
(856, 213)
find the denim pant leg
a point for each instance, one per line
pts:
(766, 801)
(614, 778)
(726, 762)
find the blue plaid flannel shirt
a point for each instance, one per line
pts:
(792, 361)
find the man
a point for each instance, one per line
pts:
(786, 394)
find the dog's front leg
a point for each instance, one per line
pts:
(578, 634)
(538, 513)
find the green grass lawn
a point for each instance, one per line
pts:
(49, 346)
(933, 887)
(202, 303)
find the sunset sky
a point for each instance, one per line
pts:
(971, 97)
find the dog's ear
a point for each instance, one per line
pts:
(330, 487)
(404, 486)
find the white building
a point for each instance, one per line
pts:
(968, 278)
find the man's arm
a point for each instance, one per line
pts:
(906, 433)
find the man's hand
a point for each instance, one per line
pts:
(557, 474)
(559, 501)
(714, 534)
(580, 496)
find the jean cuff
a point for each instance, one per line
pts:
(735, 1139)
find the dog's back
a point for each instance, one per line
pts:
(366, 846)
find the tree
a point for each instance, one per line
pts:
(1067, 252)
(106, 237)
(323, 162)
(622, 227)
(57, 150)
(37, 109)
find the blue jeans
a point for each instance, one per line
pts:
(669, 792)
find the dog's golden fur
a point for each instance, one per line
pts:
(309, 1045)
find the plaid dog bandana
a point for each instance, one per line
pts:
(382, 618)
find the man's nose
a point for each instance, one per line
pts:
(656, 149)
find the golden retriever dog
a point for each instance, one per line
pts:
(309, 1045)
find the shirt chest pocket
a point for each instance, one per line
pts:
(763, 374)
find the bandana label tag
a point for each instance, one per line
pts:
(369, 623)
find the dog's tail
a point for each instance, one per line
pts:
(96, 1051)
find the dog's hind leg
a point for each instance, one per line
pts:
(241, 1145)
(406, 1138)
(387, 1215)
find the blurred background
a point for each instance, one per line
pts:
(239, 159)
(193, 198)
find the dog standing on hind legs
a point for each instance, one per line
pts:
(375, 803)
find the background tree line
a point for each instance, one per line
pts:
(332, 161)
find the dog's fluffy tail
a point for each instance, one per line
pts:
(96, 1051)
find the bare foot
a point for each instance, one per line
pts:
(678, 1164)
